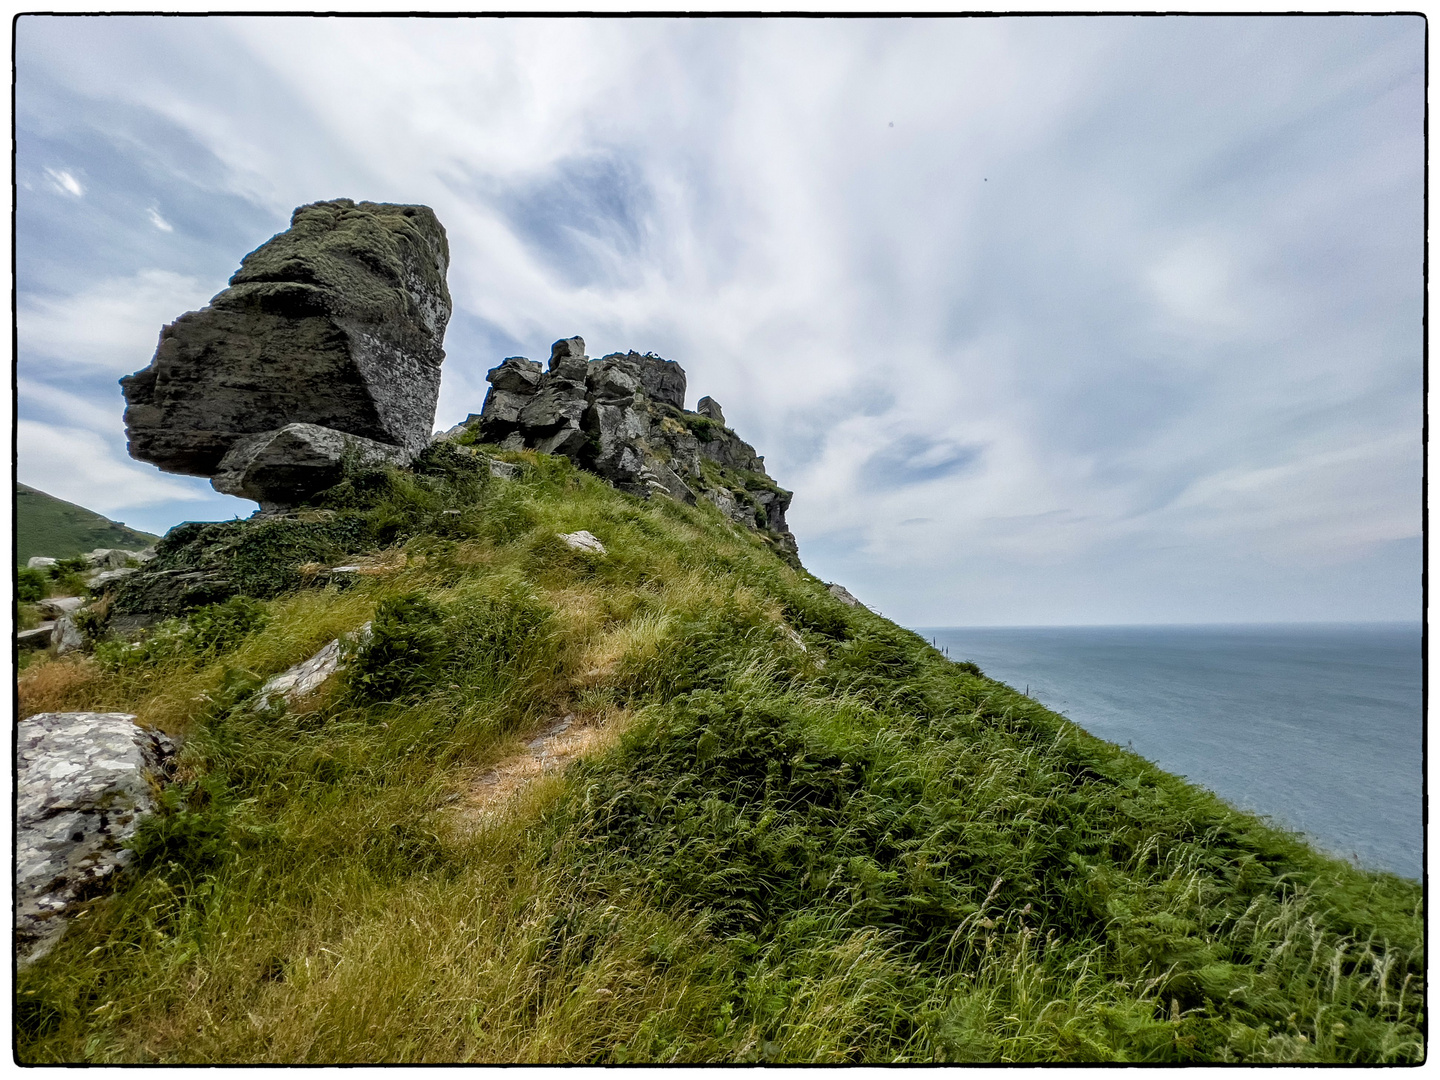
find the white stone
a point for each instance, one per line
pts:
(583, 541)
(83, 780)
(105, 577)
(839, 592)
(40, 562)
(307, 676)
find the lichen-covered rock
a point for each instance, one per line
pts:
(283, 467)
(83, 780)
(263, 556)
(336, 322)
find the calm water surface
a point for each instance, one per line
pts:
(1316, 727)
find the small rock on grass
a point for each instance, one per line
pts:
(307, 676)
(583, 541)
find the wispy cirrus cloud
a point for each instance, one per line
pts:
(111, 326)
(64, 181)
(78, 465)
(1044, 319)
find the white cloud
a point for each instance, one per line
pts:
(108, 328)
(79, 466)
(71, 408)
(158, 221)
(1158, 270)
(64, 181)
(1195, 281)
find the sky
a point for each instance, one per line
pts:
(1044, 320)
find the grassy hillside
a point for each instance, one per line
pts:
(45, 525)
(798, 834)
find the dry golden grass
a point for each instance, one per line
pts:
(60, 684)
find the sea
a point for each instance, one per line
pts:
(1318, 728)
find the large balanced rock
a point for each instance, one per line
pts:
(83, 780)
(335, 323)
(624, 417)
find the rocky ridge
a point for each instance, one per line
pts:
(623, 417)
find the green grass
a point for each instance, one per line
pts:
(844, 848)
(45, 525)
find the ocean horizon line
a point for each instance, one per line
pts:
(1418, 624)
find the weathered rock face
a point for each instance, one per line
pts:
(624, 417)
(708, 406)
(83, 780)
(277, 468)
(335, 323)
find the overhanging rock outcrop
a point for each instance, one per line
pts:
(624, 417)
(336, 323)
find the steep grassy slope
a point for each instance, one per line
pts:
(45, 525)
(803, 836)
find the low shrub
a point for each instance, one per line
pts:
(404, 653)
(202, 635)
(30, 584)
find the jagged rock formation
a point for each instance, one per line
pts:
(336, 323)
(82, 782)
(624, 417)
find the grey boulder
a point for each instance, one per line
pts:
(336, 322)
(35, 638)
(105, 577)
(66, 636)
(285, 466)
(83, 781)
(107, 558)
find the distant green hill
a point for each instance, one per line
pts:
(45, 525)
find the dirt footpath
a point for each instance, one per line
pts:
(547, 752)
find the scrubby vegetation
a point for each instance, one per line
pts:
(806, 837)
